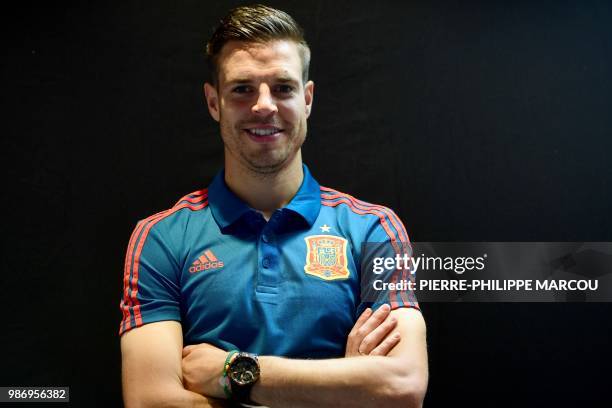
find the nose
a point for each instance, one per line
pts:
(265, 103)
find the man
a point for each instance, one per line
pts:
(265, 260)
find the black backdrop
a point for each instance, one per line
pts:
(475, 121)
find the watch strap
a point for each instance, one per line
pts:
(241, 393)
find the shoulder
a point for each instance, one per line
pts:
(176, 217)
(189, 203)
(361, 209)
(372, 216)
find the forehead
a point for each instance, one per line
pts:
(247, 60)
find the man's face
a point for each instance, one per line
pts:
(261, 104)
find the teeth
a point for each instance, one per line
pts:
(264, 132)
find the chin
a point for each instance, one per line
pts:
(267, 167)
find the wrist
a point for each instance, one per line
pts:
(224, 381)
(271, 370)
(243, 372)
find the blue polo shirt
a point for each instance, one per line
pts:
(289, 286)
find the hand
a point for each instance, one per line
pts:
(371, 334)
(202, 369)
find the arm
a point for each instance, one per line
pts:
(151, 336)
(399, 377)
(379, 379)
(151, 368)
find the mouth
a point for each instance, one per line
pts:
(264, 133)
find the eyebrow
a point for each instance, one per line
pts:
(285, 79)
(247, 80)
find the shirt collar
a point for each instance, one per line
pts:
(307, 201)
(228, 209)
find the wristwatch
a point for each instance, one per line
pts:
(243, 373)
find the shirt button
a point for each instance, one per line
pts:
(266, 263)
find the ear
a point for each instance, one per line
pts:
(308, 96)
(212, 100)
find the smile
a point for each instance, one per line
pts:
(264, 134)
(264, 131)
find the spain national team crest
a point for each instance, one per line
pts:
(326, 257)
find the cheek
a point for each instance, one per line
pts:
(231, 114)
(235, 106)
(292, 111)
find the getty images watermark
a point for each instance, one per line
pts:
(489, 271)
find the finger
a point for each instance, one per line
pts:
(352, 343)
(357, 335)
(387, 345)
(377, 335)
(362, 319)
(187, 350)
(375, 320)
(365, 315)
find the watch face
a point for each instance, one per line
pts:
(244, 370)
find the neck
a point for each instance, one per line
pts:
(264, 192)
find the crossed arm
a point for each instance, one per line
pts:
(381, 368)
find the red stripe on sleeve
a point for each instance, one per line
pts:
(134, 280)
(195, 197)
(198, 196)
(381, 212)
(126, 274)
(395, 221)
(132, 260)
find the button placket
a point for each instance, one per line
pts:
(268, 276)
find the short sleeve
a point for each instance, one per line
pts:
(151, 289)
(386, 267)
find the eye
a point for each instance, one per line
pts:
(242, 89)
(283, 89)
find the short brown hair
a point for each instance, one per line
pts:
(260, 24)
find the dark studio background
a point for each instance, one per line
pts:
(475, 121)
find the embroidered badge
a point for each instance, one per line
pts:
(326, 257)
